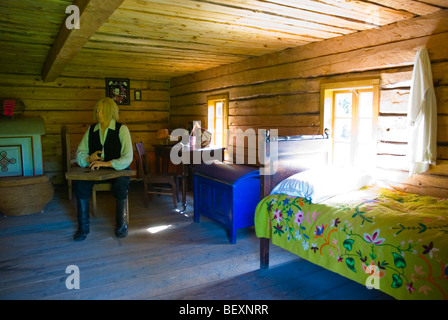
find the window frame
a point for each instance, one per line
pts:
(328, 91)
(212, 101)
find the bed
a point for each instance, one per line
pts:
(385, 239)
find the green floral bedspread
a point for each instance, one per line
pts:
(388, 240)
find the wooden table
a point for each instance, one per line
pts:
(162, 152)
(102, 174)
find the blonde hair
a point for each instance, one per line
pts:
(110, 109)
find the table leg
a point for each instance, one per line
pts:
(157, 155)
(184, 186)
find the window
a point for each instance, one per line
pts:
(217, 116)
(350, 111)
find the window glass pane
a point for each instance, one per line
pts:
(341, 154)
(219, 126)
(365, 104)
(352, 146)
(218, 140)
(343, 105)
(219, 132)
(216, 116)
(365, 130)
(219, 109)
(342, 129)
(211, 118)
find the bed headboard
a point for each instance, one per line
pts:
(285, 156)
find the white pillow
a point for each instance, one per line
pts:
(322, 183)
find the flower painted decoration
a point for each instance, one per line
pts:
(410, 287)
(278, 229)
(429, 249)
(374, 238)
(319, 231)
(289, 212)
(305, 245)
(278, 215)
(286, 202)
(335, 222)
(299, 217)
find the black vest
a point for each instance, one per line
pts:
(112, 144)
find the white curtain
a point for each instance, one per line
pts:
(422, 116)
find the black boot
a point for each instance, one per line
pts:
(121, 229)
(83, 220)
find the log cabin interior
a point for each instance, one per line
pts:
(272, 64)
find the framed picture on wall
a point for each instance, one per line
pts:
(119, 90)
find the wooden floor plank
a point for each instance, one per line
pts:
(186, 261)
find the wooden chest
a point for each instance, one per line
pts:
(227, 194)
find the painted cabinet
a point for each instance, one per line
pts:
(227, 194)
(21, 147)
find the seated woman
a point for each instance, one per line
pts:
(105, 144)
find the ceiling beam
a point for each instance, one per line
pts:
(92, 14)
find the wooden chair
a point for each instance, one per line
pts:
(155, 183)
(68, 163)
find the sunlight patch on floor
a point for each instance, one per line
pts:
(158, 228)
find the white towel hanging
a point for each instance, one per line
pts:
(422, 116)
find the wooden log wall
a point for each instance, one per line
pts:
(70, 102)
(281, 90)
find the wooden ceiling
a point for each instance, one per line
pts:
(162, 39)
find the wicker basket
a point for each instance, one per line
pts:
(24, 195)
